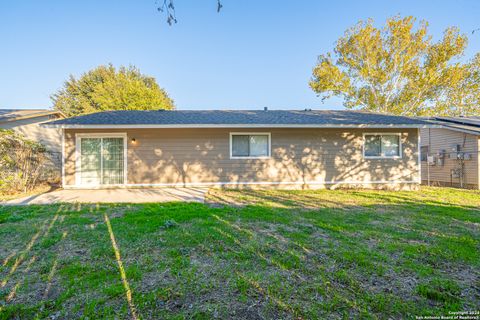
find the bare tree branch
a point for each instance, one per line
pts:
(168, 7)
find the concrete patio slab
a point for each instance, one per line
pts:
(115, 196)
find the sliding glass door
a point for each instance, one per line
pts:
(90, 161)
(101, 160)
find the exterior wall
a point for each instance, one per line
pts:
(31, 129)
(443, 139)
(51, 138)
(298, 157)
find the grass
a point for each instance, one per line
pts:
(245, 254)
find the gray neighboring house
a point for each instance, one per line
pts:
(28, 123)
(240, 148)
(450, 154)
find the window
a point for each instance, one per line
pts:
(382, 145)
(249, 145)
(424, 153)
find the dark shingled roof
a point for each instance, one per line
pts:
(469, 124)
(473, 121)
(239, 117)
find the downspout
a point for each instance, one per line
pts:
(419, 158)
(63, 157)
(462, 162)
(428, 153)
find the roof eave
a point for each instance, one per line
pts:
(472, 132)
(182, 126)
(454, 127)
(30, 116)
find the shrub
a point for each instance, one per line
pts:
(22, 162)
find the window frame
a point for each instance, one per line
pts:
(400, 149)
(269, 147)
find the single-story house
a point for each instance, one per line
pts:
(288, 149)
(27, 122)
(450, 154)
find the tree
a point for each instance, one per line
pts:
(398, 69)
(105, 88)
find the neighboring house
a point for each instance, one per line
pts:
(450, 155)
(27, 122)
(295, 149)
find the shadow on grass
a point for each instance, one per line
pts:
(291, 254)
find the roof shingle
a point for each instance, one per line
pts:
(469, 124)
(239, 117)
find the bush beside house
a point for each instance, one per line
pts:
(24, 163)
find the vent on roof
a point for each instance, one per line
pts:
(265, 108)
(308, 109)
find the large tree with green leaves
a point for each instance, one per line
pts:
(106, 88)
(399, 69)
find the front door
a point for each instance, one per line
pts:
(101, 160)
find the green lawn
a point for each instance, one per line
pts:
(246, 254)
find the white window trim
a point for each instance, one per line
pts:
(78, 152)
(383, 134)
(268, 134)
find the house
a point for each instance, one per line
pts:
(27, 123)
(287, 149)
(450, 154)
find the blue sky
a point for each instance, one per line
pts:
(253, 54)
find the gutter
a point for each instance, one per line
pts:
(198, 126)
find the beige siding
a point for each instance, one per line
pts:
(51, 138)
(31, 129)
(189, 156)
(443, 139)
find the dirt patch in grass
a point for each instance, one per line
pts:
(42, 188)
